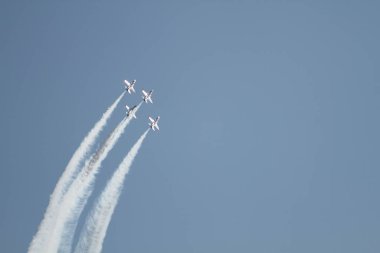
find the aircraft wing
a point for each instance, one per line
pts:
(157, 127)
(126, 82)
(151, 120)
(144, 92)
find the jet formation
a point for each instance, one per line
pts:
(147, 97)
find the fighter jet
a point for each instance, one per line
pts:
(147, 96)
(129, 86)
(154, 123)
(131, 111)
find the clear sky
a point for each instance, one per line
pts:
(269, 110)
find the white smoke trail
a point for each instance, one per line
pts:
(95, 228)
(71, 170)
(76, 197)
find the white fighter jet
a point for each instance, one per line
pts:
(147, 96)
(131, 111)
(154, 123)
(129, 86)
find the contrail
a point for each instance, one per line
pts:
(76, 197)
(95, 228)
(71, 170)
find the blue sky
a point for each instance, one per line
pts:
(269, 136)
